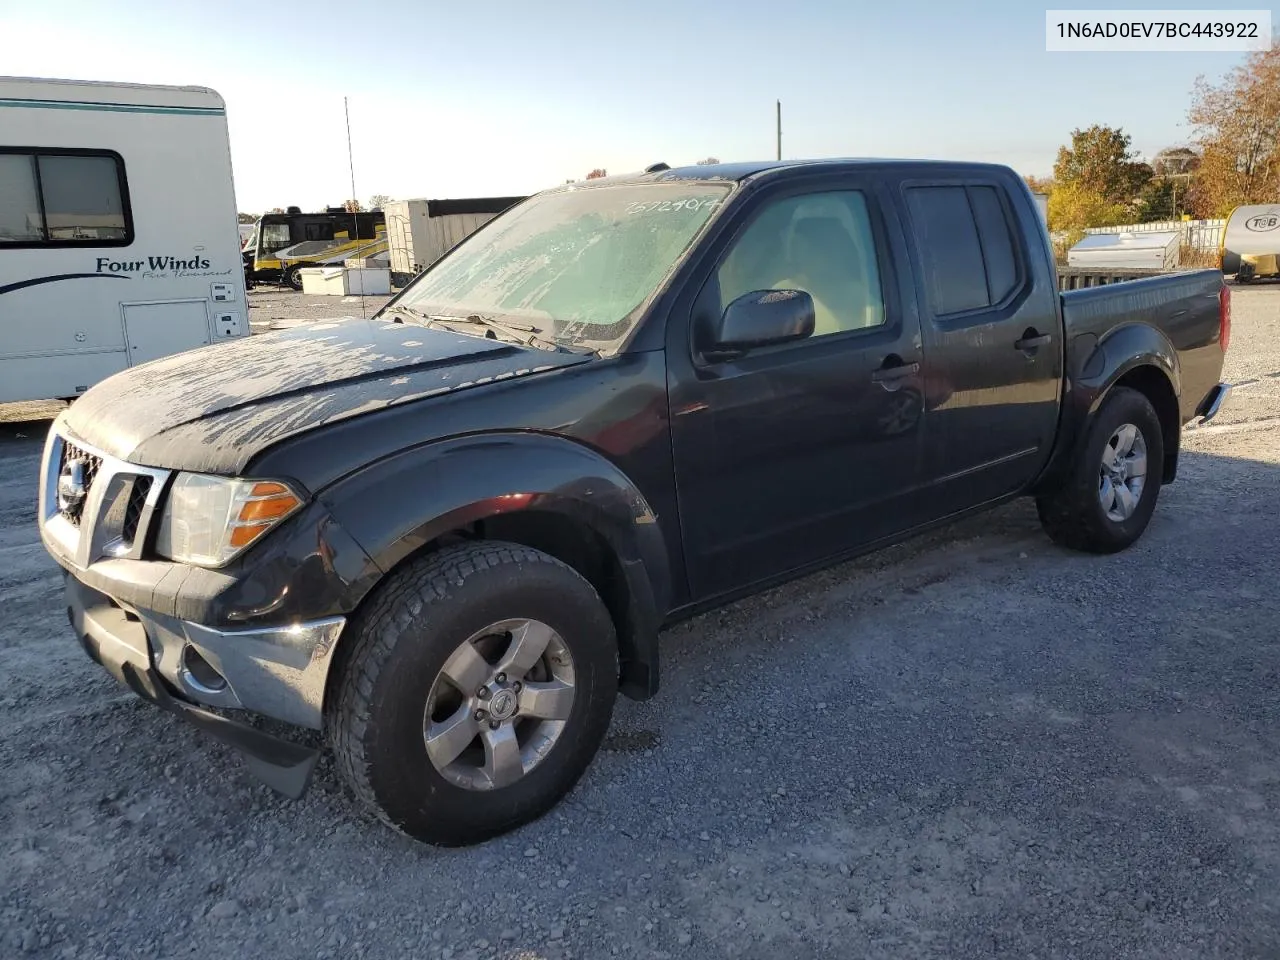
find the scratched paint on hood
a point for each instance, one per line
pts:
(214, 408)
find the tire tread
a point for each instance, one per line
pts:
(1069, 513)
(400, 603)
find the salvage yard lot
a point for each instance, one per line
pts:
(973, 744)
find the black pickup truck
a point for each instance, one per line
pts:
(448, 535)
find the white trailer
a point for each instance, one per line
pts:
(1139, 250)
(420, 232)
(118, 234)
(1250, 246)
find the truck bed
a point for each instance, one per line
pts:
(1184, 307)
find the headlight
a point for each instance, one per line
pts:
(208, 520)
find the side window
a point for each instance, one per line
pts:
(948, 240)
(997, 242)
(322, 230)
(966, 247)
(20, 220)
(820, 243)
(62, 199)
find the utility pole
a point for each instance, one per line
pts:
(779, 129)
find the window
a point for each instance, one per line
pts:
(997, 243)
(966, 247)
(19, 200)
(318, 231)
(63, 199)
(275, 236)
(820, 243)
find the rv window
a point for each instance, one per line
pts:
(62, 199)
(319, 231)
(82, 198)
(19, 204)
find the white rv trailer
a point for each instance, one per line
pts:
(118, 236)
(1250, 246)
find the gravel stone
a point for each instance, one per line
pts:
(1047, 755)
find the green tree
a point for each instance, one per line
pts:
(1237, 125)
(1100, 161)
(1074, 207)
(1156, 202)
(1039, 184)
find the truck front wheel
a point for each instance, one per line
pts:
(1106, 499)
(481, 684)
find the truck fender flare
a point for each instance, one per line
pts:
(397, 506)
(1123, 350)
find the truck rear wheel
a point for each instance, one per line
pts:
(480, 686)
(1106, 500)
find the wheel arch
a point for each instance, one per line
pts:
(1154, 384)
(1139, 356)
(1133, 355)
(540, 491)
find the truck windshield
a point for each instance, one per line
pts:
(575, 263)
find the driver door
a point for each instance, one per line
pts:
(798, 452)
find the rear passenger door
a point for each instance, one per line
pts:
(992, 341)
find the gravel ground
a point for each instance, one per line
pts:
(271, 306)
(973, 744)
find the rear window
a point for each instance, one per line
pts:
(966, 247)
(51, 198)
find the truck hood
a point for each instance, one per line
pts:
(213, 409)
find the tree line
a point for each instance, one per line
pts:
(1233, 159)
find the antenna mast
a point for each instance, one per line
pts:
(355, 217)
(779, 129)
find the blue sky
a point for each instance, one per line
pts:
(475, 99)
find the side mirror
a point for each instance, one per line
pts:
(761, 318)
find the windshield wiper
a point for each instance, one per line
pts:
(409, 312)
(526, 334)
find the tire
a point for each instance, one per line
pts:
(293, 277)
(394, 682)
(1074, 514)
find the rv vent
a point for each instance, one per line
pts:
(657, 167)
(292, 209)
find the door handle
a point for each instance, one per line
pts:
(888, 375)
(1032, 341)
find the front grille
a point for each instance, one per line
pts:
(90, 465)
(94, 505)
(133, 512)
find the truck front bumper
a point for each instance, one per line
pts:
(185, 668)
